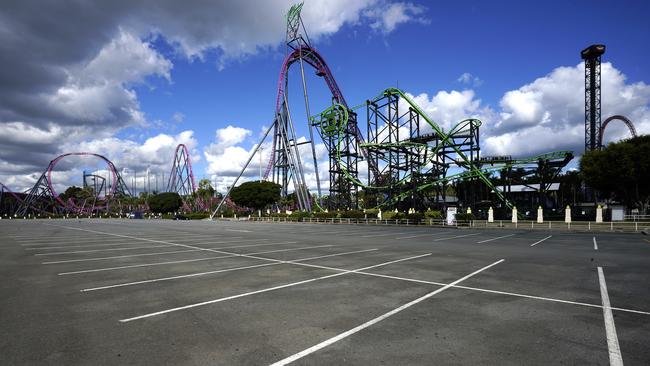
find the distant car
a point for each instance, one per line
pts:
(180, 217)
(134, 215)
(645, 232)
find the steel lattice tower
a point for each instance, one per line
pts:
(591, 55)
(181, 177)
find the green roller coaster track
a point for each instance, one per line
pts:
(334, 120)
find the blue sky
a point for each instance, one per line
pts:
(520, 60)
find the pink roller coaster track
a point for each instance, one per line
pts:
(177, 165)
(313, 58)
(623, 119)
(53, 163)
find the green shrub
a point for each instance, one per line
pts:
(353, 214)
(325, 215)
(372, 212)
(415, 217)
(198, 215)
(299, 215)
(464, 217)
(279, 214)
(433, 214)
(392, 215)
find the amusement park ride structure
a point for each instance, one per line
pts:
(410, 159)
(181, 178)
(42, 198)
(407, 154)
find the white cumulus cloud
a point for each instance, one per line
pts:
(387, 17)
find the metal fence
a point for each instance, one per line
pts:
(618, 226)
(645, 218)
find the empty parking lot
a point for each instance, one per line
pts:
(79, 292)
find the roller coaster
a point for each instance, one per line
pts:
(42, 198)
(409, 157)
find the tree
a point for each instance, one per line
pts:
(77, 193)
(165, 202)
(256, 194)
(205, 190)
(620, 171)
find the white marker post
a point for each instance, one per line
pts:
(514, 215)
(540, 215)
(599, 213)
(567, 214)
(490, 215)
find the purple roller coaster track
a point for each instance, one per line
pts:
(43, 194)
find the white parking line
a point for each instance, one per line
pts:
(532, 297)
(246, 255)
(163, 253)
(81, 242)
(78, 246)
(595, 244)
(160, 241)
(360, 233)
(457, 236)
(266, 289)
(227, 269)
(499, 237)
(198, 248)
(615, 357)
(101, 250)
(376, 320)
(421, 235)
(539, 241)
(121, 256)
(378, 235)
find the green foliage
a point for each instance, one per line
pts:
(165, 202)
(197, 215)
(256, 194)
(299, 215)
(353, 214)
(433, 214)
(464, 217)
(205, 190)
(279, 214)
(372, 212)
(228, 212)
(392, 215)
(416, 217)
(325, 215)
(77, 193)
(621, 170)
